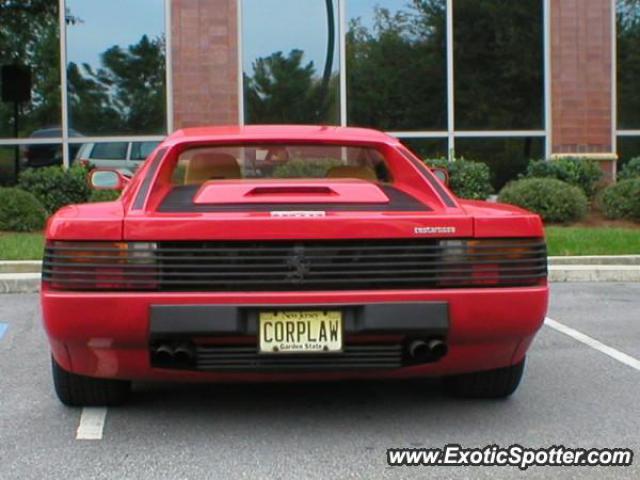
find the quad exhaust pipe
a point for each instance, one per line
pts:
(181, 353)
(184, 353)
(428, 350)
(164, 354)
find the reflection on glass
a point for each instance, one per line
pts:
(141, 150)
(29, 38)
(628, 148)
(116, 67)
(7, 165)
(498, 63)
(396, 64)
(628, 64)
(506, 157)
(290, 69)
(427, 148)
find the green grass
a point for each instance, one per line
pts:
(593, 241)
(561, 241)
(21, 246)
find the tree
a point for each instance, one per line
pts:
(498, 61)
(126, 94)
(396, 70)
(283, 90)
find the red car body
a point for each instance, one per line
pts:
(484, 315)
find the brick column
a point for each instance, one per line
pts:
(205, 62)
(581, 80)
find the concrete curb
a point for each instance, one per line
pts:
(21, 266)
(596, 260)
(594, 273)
(19, 282)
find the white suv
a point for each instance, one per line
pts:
(125, 156)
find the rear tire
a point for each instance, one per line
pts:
(499, 383)
(80, 391)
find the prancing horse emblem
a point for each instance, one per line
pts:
(299, 264)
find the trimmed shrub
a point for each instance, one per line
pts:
(56, 187)
(553, 200)
(467, 179)
(20, 211)
(622, 200)
(578, 172)
(631, 169)
(104, 196)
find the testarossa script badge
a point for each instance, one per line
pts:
(433, 230)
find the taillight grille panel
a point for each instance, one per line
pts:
(295, 265)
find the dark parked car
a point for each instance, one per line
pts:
(44, 155)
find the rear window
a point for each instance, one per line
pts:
(110, 151)
(280, 161)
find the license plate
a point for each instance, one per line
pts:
(300, 332)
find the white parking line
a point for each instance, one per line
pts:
(91, 423)
(595, 344)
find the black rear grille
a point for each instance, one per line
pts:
(297, 265)
(354, 357)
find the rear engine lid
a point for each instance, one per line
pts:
(238, 192)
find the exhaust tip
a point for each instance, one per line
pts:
(184, 353)
(164, 354)
(428, 350)
(437, 348)
(419, 350)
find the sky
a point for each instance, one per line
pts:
(282, 25)
(108, 23)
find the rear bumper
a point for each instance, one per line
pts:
(108, 334)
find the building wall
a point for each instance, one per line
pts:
(582, 81)
(205, 62)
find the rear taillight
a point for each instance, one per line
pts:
(492, 262)
(100, 266)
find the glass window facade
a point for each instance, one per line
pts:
(387, 64)
(116, 67)
(115, 77)
(30, 106)
(628, 73)
(428, 147)
(291, 66)
(628, 148)
(498, 63)
(30, 61)
(397, 78)
(506, 157)
(628, 63)
(397, 64)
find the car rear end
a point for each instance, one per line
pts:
(246, 279)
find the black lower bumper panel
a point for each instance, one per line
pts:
(174, 327)
(243, 358)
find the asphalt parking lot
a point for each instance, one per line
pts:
(574, 393)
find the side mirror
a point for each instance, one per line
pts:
(107, 179)
(442, 174)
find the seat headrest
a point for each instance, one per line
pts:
(363, 173)
(211, 166)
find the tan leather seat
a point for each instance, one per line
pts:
(364, 173)
(211, 166)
